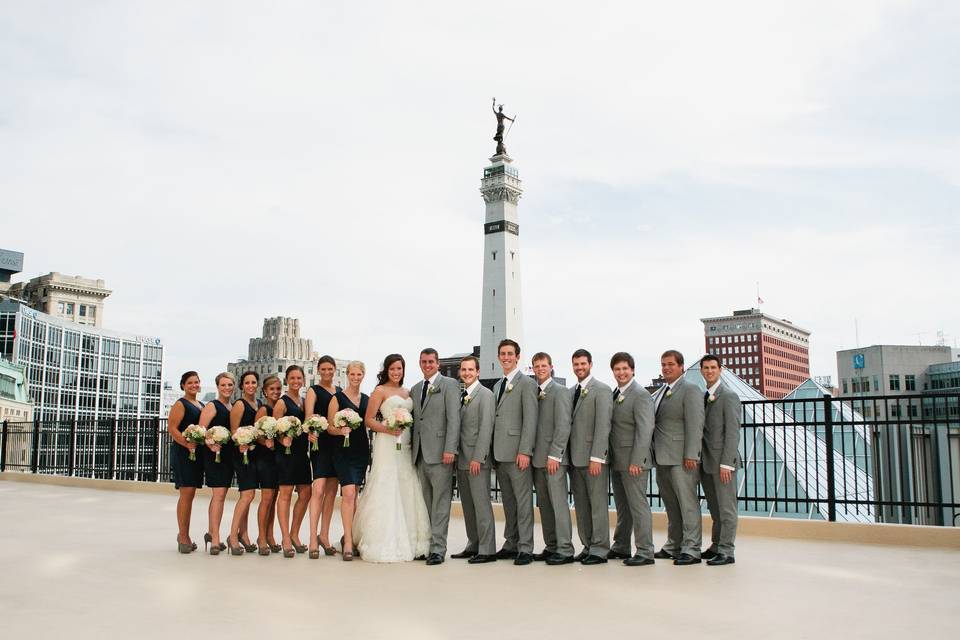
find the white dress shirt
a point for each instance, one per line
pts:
(472, 388)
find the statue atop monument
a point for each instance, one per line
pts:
(501, 116)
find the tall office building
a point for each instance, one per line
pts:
(771, 354)
(71, 298)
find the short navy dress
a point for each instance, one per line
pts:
(294, 467)
(187, 472)
(246, 473)
(322, 459)
(351, 462)
(219, 474)
(266, 461)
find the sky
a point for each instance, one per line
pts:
(219, 163)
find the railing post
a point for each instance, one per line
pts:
(156, 450)
(112, 471)
(73, 448)
(831, 471)
(35, 443)
(3, 445)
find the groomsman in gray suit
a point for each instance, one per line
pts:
(589, 441)
(677, 439)
(630, 436)
(436, 435)
(473, 464)
(514, 434)
(721, 457)
(550, 462)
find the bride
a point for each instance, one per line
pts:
(391, 524)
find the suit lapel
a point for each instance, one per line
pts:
(580, 401)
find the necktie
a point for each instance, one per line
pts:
(576, 395)
(503, 385)
(706, 398)
(463, 397)
(663, 395)
(616, 394)
(423, 392)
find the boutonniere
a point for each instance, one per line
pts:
(669, 392)
(541, 395)
(620, 399)
(433, 389)
(584, 392)
(466, 400)
(509, 387)
(712, 398)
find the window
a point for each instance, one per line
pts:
(894, 382)
(60, 307)
(69, 308)
(910, 382)
(83, 311)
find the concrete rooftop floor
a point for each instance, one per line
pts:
(88, 563)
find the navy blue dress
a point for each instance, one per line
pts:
(294, 467)
(351, 462)
(187, 472)
(219, 474)
(322, 459)
(266, 460)
(246, 473)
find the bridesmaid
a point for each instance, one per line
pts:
(267, 472)
(293, 469)
(219, 475)
(187, 474)
(244, 414)
(350, 462)
(324, 472)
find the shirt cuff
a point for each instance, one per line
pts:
(555, 458)
(728, 467)
(600, 460)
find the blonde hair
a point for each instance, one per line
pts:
(269, 380)
(356, 364)
(225, 374)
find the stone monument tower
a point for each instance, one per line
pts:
(502, 312)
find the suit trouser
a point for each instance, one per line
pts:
(477, 511)
(554, 510)
(678, 489)
(591, 499)
(436, 480)
(516, 490)
(633, 513)
(722, 502)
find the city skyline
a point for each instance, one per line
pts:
(238, 174)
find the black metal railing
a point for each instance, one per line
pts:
(862, 459)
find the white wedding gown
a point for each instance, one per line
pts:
(392, 524)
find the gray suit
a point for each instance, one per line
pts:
(721, 445)
(515, 432)
(553, 435)
(436, 430)
(590, 438)
(476, 432)
(630, 436)
(677, 435)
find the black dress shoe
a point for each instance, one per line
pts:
(481, 558)
(617, 555)
(592, 559)
(523, 558)
(556, 559)
(542, 556)
(506, 554)
(685, 559)
(637, 561)
(420, 558)
(720, 559)
(663, 555)
(580, 557)
(709, 554)
(463, 554)
(436, 558)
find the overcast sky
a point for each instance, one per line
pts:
(218, 163)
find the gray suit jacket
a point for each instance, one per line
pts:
(721, 431)
(553, 425)
(515, 424)
(631, 429)
(590, 423)
(436, 424)
(679, 424)
(476, 428)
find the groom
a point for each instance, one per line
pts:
(436, 435)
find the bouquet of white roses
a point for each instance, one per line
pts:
(217, 436)
(399, 418)
(347, 418)
(195, 434)
(315, 423)
(246, 436)
(288, 426)
(266, 427)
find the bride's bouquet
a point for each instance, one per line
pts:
(246, 436)
(218, 436)
(398, 418)
(316, 424)
(197, 435)
(347, 418)
(266, 427)
(289, 426)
